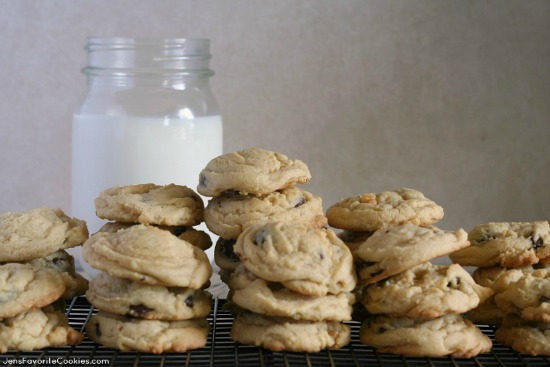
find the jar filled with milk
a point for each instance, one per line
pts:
(148, 116)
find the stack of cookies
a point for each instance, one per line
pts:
(289, 280)
(415, 307)
(254, 186)
(150, 292)
(36, 278)
(512, 258)
(293, 288)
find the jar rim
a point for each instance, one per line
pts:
(94, 43)
(110, 55)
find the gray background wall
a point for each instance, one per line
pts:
(451, 98)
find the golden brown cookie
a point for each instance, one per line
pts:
(273, 299)
(281, 334)
(38, 233)
(153, 302)
(37, 329)
(147, 336)
(24, 287)
(63, 262)
(528, 296)
(449, 335)
(523, 336)
(194, 236)
(427, 291)
(306, 260)
(252, 171)
(227, 216)
(392, 250)
(149, 255)
(370, 211)
(169, 205)
(506, 244)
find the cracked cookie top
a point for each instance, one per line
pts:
(309, 261)
(446, 335)
(507, 244)
(24, 287)
(392, 250)
(169, 205)
(149, 255)
(226, 216)
(38, 233)
(426, 290)
(372, 211)
(253, 171)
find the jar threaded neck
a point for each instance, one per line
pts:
(134, 56)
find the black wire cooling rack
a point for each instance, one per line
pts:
(221, 351)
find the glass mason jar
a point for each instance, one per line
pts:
(148, 116)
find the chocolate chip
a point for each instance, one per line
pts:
(360, 265)
(202, 180)
(454, 283)
(381, 330)
(544, 299)
(322, 255)
(301, 202)
(486, 238)
(189, 302)
(260, 237)
(231, 192)
(226, 250)
(275, 286)
(538, 243)
(139, 310)
(97, 330)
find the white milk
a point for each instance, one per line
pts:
(117, 150)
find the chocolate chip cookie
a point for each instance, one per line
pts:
(425, 291)
(392, 250)
(306, 260)
(149, 255)
(372, 211)
(507, 244)
(194, 236)
(24, 287)
(252, 171)
(38, 233)
(524, 336)
(226, 216)
(37, 329)
(169, 205)
(449, 335)
(153, 302)
(273, 299)
(282, 334)
(528, 296)
(147, 336)
(63, 262)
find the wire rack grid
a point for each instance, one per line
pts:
(221, 350)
